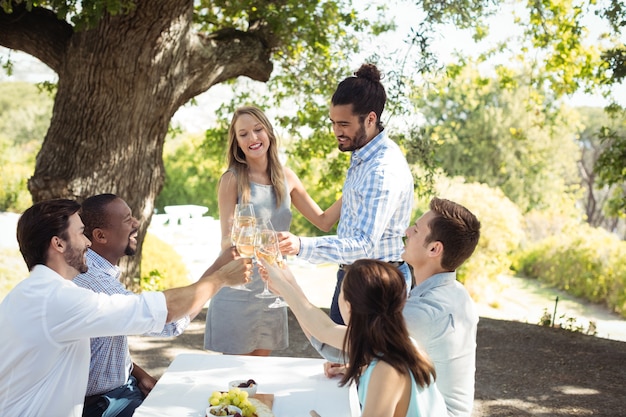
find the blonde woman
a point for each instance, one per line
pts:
(237, 321)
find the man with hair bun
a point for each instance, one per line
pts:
(377, 192)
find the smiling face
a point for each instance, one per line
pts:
(252, 137)
(117, 236)
(122, 227)
(416, 249)
(351, 131)
(77, 244)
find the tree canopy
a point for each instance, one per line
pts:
(125, 66)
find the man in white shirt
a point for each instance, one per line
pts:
(439, 313)
(47, 320)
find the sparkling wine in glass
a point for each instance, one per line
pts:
(245, 243)
(266, 249)
(243, 216)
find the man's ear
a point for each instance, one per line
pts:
(98, 235)
(57, 244)
(436, 248)
(370, 119)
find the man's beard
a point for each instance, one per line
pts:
(358, 141)
(76, 258)
(129, 251)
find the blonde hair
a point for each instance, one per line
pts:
(237, 159)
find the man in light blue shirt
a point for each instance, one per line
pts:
(377, 192)
(439, 313)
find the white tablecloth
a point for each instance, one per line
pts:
(298, 384)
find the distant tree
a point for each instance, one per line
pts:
(610, 165)
(498, 135)
(192, 175)
(596, 136)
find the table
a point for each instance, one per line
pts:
(298, 384)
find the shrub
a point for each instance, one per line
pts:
(191, 175)
(161, 266)
(586, 262)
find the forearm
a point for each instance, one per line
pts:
(312, 319)
(189, 300)
(331, 216)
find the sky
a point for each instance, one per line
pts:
(197, 118)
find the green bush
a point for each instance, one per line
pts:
(25, 113)
(191, 174)
(586, 262)
(161, 266)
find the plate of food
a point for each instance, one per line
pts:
(258, 406)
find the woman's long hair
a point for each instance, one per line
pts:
(376, 292)
(237, 159)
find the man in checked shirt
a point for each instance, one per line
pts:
(116, 385)
(377, 192)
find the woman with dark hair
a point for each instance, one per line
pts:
(393, 377)
(256, 175)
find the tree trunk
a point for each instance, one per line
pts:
(119, 85)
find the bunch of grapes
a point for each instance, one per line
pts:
(235, 397)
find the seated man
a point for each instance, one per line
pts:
(116, 385)
(439, 312)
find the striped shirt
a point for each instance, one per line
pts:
(111, 364)
(376, 208)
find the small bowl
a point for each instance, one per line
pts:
(230, 408)
(251, 390)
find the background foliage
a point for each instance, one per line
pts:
(584, 261)
(25, 113)
(162, 267)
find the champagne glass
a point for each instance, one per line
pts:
(243, 216)
(245, 243)
(266, 249)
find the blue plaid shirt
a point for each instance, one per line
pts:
(376, 208)
(111, 363)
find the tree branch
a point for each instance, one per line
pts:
(227, 54)
(37, 32)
